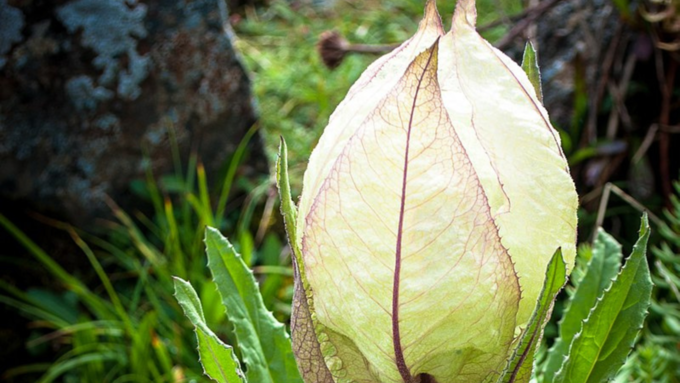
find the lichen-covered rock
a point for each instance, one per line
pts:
(573, 40)
(12, 20)
(85, 85)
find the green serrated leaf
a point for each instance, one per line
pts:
(604, 265)
(288, 209)
(521, 363)
(530, 67)
(599, 350)
(263, 341)
(217, 358)
(306, 346)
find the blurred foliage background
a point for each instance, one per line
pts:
(103, 310)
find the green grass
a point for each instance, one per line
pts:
(127, 326)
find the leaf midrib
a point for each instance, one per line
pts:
(396, 338)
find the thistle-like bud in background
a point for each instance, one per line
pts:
(431, 206)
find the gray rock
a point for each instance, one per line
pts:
(12, 20)
(573, 39)
(86, 84)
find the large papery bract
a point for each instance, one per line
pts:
(430, 208)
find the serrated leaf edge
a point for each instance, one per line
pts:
(328, 349)
(644, 227)
(212, 335)
(277, 327)
(538, 330)
(532, 69)
(570, 302)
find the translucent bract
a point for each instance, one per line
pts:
(430, 208)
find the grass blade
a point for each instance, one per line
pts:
(231, 173)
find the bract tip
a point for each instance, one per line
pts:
(466, 12)
(431, 20)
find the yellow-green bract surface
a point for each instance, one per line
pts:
(430, 208)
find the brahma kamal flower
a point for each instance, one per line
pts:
(431, 206)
